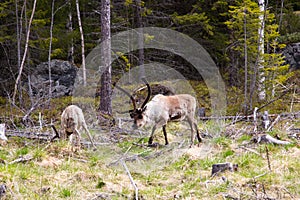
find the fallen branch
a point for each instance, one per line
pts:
(251, 150)
(273, 123)
(272, 101)
(131, 180)
(23, 158)
(266, 138)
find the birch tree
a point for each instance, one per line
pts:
(70, 30)
(82, 43)
(261, 33)
(25, 54)
(254, 40)
(50, 48)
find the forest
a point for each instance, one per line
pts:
(91, 93)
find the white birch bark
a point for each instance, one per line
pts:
(261, 75)
(70, 29)
(50, 48)
(25, 53)
(82, 43)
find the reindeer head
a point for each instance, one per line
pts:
(137, 114)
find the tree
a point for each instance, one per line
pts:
(69, 26)
(261, 33)
(253, 48)
(50, 47)
(82, 43)
(139, 20)
(25, 54)
(105, 89)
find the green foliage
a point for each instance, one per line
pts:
(222, 141)
(57, 53)
(246, 13)
(65, 193)
(289, 38)
(22, 151)
(199, 19)
(100, 183)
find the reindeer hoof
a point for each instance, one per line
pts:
(153, 145)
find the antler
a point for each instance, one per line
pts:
(130, 96)
(149, 93)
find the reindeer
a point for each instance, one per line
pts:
(162, 109)
(72, 120)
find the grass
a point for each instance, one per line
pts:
(160, 173)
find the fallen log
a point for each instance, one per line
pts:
(266, 138)
(29, 135)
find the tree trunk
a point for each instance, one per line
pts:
(139, 21)
(18, 35)
(82, 43)
(261, 75)
(24, 55)
(69, 26)
(105, 90)
(246, 64)
(50, 49)
(281, 16)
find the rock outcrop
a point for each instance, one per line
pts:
(63, 74)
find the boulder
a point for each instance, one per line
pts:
(63, 74)
(292, 55)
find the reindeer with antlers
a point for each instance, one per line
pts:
(162, 109)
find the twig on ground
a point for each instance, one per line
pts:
(131, 180)
(273, 123)
(268, 158)
(251, 150)
(23, 158)
(260, 175)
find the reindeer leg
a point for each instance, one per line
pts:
(150, 141)
(89, 135)
(70, 146)
(78, 137)
(198, 135)
(191, 123)
(165, 134)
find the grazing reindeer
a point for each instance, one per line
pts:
(72, 120)
(162, 109)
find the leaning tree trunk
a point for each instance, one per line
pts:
(25, 53)
(50, 49)
(69, 26)
(82, 43)
(105, 89)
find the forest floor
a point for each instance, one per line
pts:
(35, 169)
